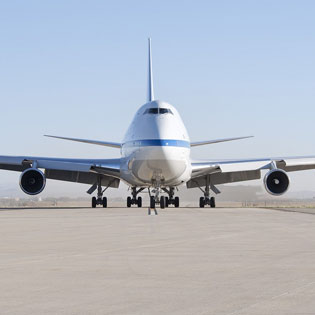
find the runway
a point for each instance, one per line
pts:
(181, 261)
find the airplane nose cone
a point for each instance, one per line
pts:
(163, 164)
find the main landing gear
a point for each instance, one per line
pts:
(170, 200)
(207, 200)
(134, 200)
(100, 200)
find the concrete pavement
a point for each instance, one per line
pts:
(182, 261)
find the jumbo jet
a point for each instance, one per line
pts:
(154, 156)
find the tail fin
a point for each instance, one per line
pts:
(150, 75)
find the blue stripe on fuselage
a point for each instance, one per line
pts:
(158, 143)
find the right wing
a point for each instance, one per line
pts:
(231, 171)
(103, 143)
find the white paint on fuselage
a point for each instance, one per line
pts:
(156, 148)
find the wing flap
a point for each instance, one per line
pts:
(224, 178)
(82, 177)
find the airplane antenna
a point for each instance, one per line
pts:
(150, 75)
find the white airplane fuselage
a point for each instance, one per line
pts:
(156, 147)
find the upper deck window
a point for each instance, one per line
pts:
(158, 111)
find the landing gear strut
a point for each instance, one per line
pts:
(100, 200)
(134, 200)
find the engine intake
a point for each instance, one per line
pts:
(32, 181)
(276, 182)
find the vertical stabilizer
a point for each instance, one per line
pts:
(150, 75)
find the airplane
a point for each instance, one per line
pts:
(154, 155)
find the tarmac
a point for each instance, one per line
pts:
(182, 261)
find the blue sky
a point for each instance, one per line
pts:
(231, 68)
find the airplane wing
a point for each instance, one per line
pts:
(86, 171)
(230, 171)
(103, 143)
(199, 143)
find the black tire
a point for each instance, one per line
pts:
(94, 202)
(202, 202)
(139, 202)
(212, 202)
(104, 202)
(176, 202)
(166, 202)
(162, 202)
(152, 202)
(129, 202)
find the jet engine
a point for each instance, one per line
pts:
(32, 181)
(276, 182)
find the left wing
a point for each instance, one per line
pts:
(199, 143)
(86, 171)
(230, 171)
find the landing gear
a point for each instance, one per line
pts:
(100, 200)
(206, 200)
(104, 202)
(94, 202)
(162, 202)
(176, 202)
(134, 200)
(152, 202)
(212, 202)
(171, 200)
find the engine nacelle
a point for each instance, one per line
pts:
(276, 182)
(32, 181)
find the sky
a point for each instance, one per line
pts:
(231, 68)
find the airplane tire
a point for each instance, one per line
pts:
(94, 202)
(129, 202)
(139, 202)
(162, 202)
(176, 202)
(212, 202)
(104, 202)
(166, 202)
(202, 202)
(152, 202)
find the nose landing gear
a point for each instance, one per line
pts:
(164, 201)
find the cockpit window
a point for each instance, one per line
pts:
(152, 110)
(158, 111)
(165, 111)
